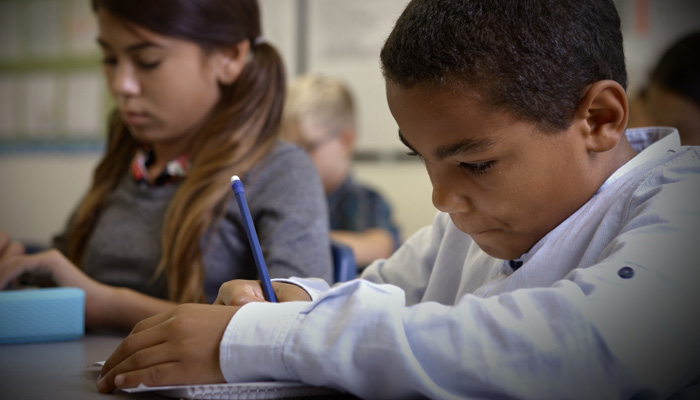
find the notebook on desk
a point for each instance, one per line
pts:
(234, 391)
(250, 390)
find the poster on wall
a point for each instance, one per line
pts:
(344, 40)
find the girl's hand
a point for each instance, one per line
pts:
(9, 248)
(180, 346)
(240, 292)
(51, 265)
(54, 267)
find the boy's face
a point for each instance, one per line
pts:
(330, 153)
(503, 181)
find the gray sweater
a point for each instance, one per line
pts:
(288, 208)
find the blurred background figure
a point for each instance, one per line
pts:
(320, 117)
(672, 96)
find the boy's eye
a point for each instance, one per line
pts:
(477, 168)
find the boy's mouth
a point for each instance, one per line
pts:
(467, 226)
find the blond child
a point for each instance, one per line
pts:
(319, 116)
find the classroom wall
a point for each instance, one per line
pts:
(39, 185)
(39, 191)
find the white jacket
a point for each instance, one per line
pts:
(604, 306)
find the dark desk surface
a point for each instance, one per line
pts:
(57, 370)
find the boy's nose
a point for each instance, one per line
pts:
(449, 199)
(124, 82)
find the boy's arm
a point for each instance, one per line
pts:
(535, 343)
(361, 337)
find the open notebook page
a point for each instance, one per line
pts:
(225, 391)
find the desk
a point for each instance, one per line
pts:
(56, 370)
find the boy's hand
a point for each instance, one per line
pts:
(239, 292)
(180, 346)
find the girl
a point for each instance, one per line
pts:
(198, 97)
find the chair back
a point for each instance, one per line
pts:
(344, 265)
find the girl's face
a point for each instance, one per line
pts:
(164, 87)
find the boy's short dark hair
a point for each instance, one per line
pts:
(534, 58)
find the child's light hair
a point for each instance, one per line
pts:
(317, 102)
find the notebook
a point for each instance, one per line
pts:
(250, 390)
(233, 391)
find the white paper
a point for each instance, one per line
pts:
(249, 390)
(231, 391)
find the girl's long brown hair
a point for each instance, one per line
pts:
(241, 130)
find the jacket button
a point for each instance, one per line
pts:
(625, 272)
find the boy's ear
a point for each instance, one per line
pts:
(231, 61)
(604, 112)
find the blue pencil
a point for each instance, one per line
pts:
(253, 239)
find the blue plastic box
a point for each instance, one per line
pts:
(41, 315)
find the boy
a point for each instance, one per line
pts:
(562, 263)
(319, 115)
